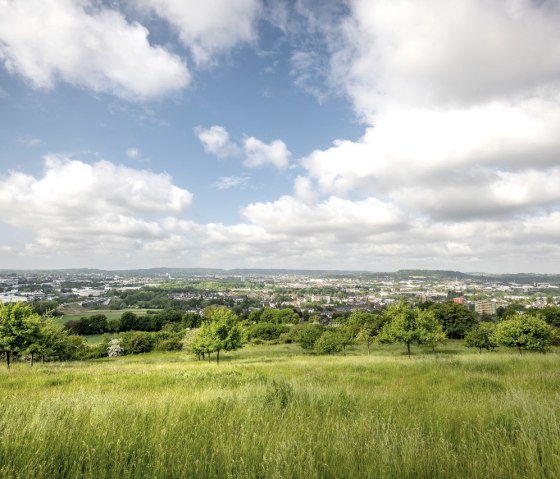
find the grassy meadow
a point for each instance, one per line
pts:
(273, 412)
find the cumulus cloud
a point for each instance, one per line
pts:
(256, 153)
(260, 154)
(438, 53)
(210, 27)
(215, 140)
(102, 205)
(85, 45)
(458, 164)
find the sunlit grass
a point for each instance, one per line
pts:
(270, 411)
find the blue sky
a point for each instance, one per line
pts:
(359, 134)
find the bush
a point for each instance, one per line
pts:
(328, 343)
(265, 331)
(526, 333)
(482, 336)
(135, 342)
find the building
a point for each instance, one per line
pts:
(487, 308)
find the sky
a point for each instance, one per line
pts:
(357, 135)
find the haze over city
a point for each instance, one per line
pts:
(357, 135)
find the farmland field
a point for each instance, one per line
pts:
(271, 411)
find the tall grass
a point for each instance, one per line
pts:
(270, 413)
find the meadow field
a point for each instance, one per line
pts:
(273, 412)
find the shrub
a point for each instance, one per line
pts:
(135, 342)
(266, 331)
(526, 333)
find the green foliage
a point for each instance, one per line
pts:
(329, 342)
(456, 319)
(406, 325)
(482, 336)
(135, 342)
(266, 331)
(86, 325)
(307, 334)
(526, 333)
(272, 315)
(430, 329)
(220, 331)
(19, 328)
(367, 326)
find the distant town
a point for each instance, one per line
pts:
(327, 292)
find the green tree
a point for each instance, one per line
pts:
(367, 326)
(430, 330)
(526, 333)
(329, 342)
(219, 332)
(346, 337)
(309, 334)
(456, 319)
(19, 328)
(402, 325)
(482, 336)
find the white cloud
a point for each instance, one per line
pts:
(260, 154)
(228, 182)
(408, 53)
(99, 206)
(215, 140)
(88, 46)
(256, 153)
(210, 27)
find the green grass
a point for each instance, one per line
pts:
(272, 412)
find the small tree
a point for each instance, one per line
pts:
(367, 326)
(526, 333)
(482, 336)
(402, 325)
(329, 342)
(220, 331)
(19, 328)
(346, 337)
(115, 349)
(430, 330)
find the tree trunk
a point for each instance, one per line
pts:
(368, 346)
(32, 359)
(344, 350)
(408, 349)
(218, 357)
(8, 359)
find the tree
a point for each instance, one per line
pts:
(19, 328)
(346, 337)
(456, 319)
(402, 326)
(329, 342)
(128, 321)
(482, 336)
(407, 326)
(115, 349)
(219, 332)
(526, 333)
(367, 326)
(309, 334)
(430, 329)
